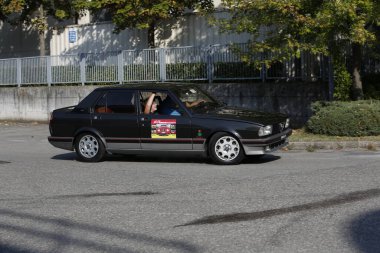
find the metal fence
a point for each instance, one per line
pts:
(213, 63)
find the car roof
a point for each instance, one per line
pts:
(148, 86)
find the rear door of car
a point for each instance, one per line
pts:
(164, 132)
(115, 117)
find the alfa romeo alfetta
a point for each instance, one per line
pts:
(141, 118)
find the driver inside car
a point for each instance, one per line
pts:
(169, 107)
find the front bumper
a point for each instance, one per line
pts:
(266, 145)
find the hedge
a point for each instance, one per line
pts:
(355, 118)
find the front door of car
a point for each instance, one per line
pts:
(115, 117)
(161, 129)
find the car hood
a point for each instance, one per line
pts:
(242, 114)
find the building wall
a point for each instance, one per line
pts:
(188, 30)
(96, 38)
(18, 41)
(195, 30)
(23, 41)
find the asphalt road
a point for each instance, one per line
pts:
(285, 202)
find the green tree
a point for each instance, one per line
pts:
(284, 28)
(145, 14)
(36, 12)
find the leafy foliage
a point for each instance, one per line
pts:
(288, 27)
(8, 7)
(359, 118)
(25, 11)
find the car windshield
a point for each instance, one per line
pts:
(195, 99)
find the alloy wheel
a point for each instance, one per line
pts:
(88, 146)
(227, 148)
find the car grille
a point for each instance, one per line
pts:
(278, 128)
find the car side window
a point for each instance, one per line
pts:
(117, 102)
(160, 103)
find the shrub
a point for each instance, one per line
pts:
(358, 118)
(342, 82)
(137, 72)
(180, 71)
(235, 70)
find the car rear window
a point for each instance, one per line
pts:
(117, 102)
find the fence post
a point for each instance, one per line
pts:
(120, 67)
(263, 71)
(18, 63)
(82, 65)
(331, 78)
(210, 64)
(325, 66)
(162, 63)
(291, 75)
(48, 71)
(321, 71)
(303, 64)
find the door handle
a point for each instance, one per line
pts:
(144, 118)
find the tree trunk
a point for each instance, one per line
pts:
(151, 37)
(357, 87)
(42, 43)
(41, 33)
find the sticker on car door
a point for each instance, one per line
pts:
(163, 128)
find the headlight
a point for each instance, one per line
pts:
(287, 123)
(267, 130)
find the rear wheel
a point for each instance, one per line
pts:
(225, 149)
(89, 148)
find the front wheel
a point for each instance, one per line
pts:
(89, 148)
(225, 149)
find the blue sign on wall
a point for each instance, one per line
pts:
(72, 35)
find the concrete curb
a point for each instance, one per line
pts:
(334, 145)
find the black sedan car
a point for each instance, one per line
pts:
(140, 118)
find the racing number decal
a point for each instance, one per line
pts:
(163, 128)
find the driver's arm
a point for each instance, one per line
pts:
(148, 104)
(194, 103)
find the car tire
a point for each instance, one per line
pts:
(89, 148)
(225, 149)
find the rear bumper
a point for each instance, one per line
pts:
(62, 142)
(266, 145)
